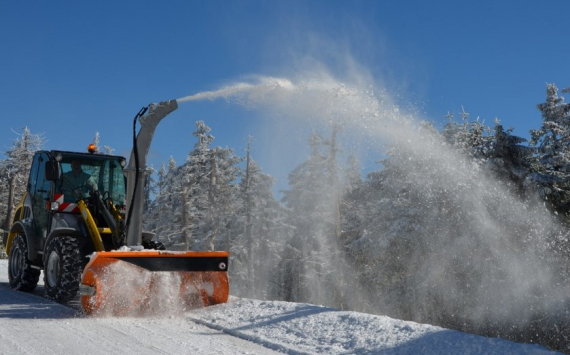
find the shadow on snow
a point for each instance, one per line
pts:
(21, 305)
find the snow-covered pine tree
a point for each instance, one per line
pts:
(163, 216)
(207, 192)
(96, 141)
(497, 151)
(508, 160)
(312, 252)
(352, 214)
(391, 226)
(14, 172)
(255, 242)
(350, 207)
(106, 149)
(469, 137)
(149, 188)
(552, 140)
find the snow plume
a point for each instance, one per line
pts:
(236, 91)
(484, 260)
(464, 252)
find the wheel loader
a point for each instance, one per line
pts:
(80, 222)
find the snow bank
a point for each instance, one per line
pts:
(307, 329)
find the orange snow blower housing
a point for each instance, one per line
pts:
(81, 223)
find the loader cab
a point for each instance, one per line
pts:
(96, 179)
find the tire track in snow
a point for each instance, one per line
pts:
(252, 338)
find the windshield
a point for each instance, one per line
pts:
(82, 175)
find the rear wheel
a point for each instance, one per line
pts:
(21, 274)
(62, 269)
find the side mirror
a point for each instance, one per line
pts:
(52, 171)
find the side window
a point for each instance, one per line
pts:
(33, 174)
(40, 192)
(43, 185)
(65, 167)
(59, 185)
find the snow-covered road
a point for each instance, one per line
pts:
(30, 324)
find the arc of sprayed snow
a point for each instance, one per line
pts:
(239, 88)
(224, 92)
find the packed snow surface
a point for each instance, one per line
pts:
(32, 324)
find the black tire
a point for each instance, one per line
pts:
(153, 244)
(62, 269)
(21, 274)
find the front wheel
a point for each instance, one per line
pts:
(62, 269)
(21, 274)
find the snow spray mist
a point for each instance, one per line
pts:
(479, 229)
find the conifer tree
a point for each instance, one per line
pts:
(14, 172)
(255, 243)
(508, 160)
(553, 138)
(550, 183)
(208, 191)
(312, 254)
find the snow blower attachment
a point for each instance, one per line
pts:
(133, 282)
(82, 224)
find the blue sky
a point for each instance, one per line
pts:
(71, 68)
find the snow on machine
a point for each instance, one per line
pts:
(80, 222)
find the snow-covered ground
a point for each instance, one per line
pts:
(31, 324)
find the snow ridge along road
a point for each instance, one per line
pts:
(31, 324)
